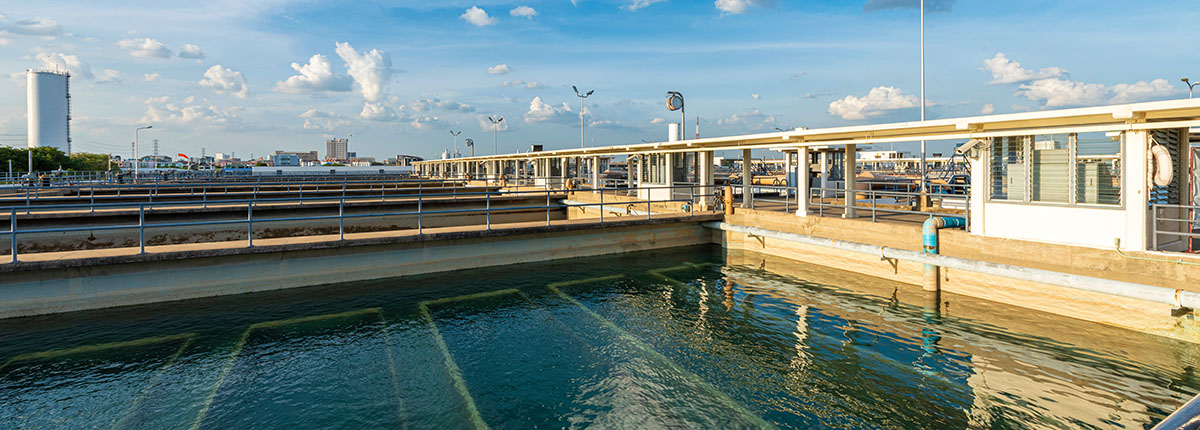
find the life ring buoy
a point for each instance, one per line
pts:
(1162, 169)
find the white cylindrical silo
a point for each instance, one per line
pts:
(672, 132)
(49, 109)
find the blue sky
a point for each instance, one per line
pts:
(398, 75)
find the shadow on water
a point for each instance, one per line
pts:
(687, 337)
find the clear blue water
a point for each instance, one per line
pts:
(682, 338)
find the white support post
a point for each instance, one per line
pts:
(595, 174)
(705, 161)
(851, 170)
(802, 182)
(747, 180)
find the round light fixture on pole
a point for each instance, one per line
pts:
(1190, 85)
(471, 144)
(675, 103)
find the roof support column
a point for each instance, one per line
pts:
(802, 181)
(641, 170)
(747, 180)
(851, 163)
(595, 161)
(704, 161)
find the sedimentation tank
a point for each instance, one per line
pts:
(49, 109)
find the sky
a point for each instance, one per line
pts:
(252, 76)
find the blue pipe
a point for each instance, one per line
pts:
(929, 241)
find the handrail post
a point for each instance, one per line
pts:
(488, 195)
(873, 199)
(250, 223)
(547, 208)
(601, 205)
(419, 213)
(342, 219)
(141, 229)
(12, 232)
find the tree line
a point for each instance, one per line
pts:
(47, 159)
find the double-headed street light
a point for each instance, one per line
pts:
(495, 134)
(136, 161)
(470, 144)
(581, 98)
(455, 134)
(1190, 85)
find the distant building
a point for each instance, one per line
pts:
(285, 159)
(305, 157)
(337, 149)
(350, 155)
(407, 160)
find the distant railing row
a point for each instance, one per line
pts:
(625, 206)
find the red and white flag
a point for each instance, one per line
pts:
(184, 156)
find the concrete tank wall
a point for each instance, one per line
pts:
(48, 109)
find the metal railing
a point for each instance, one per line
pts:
(893, 202)
(629, 207)
(1175, 228)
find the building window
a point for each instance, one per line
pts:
(1008, 168)
(1051, 168)
(1058, 168)
(1098, 170)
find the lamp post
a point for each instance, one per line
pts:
(455, 134)
(495, 134)
(922, 97)
(581, 98)
(1190, 85)
(136, 141)
(675, 103)
(470, 144)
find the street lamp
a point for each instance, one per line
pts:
(470, 144)
(675, 103)
(455, 134)
(136, 161)
(581, 98)
(1190, 85)
(923, 173)
(495, 131)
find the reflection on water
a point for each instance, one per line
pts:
(691, 337)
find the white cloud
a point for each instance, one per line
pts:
(734, 7)
(988, 109)
(540, 111)
(191, 51)
(5, 39)
(225, 80)
(65, 62)
(315, 76)
(1056, 92)
(1142, 90)
(486, 125)
(499, 69)
(658, 121)
(159, 110)
(1005, 71)
(109, 76)
(877, 101)
(151, 77)
(371, 70)
(755, 96)
(797, 74)
(478, 17)
(377, 112)
(519, 83)
(638, 4)
(36, 27)
(422, 122)
(323, 121)
(523, 12)
(427, 104)
(752, 119)
(145, 47)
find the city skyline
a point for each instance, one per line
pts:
(283, 75)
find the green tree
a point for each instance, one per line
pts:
(46, 159)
